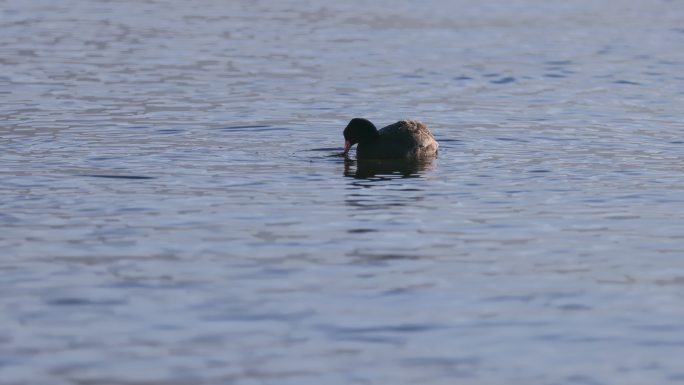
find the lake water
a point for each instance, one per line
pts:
(173, 211)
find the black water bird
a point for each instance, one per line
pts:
(406, 139)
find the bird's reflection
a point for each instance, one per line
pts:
(390, 177)
(385, 169)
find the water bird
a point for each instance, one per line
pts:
(405, 139)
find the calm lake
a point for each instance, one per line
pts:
(174, 209)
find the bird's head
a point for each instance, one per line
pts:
(358, 130)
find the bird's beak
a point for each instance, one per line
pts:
(347, 146)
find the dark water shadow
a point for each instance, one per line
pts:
(385, 169)
(116, 176)
(329, 152)
(250, 128)
(329, 149)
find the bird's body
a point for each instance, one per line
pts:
(406, 139)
